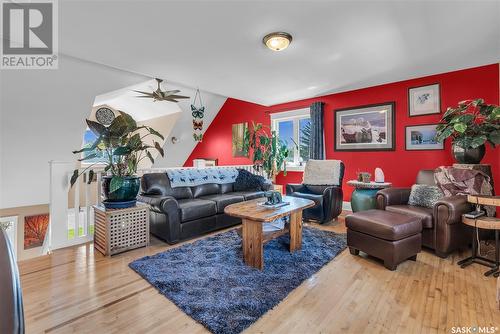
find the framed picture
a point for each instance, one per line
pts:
(424, 100)
(365, 128)
(35, 228)
(238, 139)
(422, 137)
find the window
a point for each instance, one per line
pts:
(294, 128)
(88, 139)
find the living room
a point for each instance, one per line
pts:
(256, 167)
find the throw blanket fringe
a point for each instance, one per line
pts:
(190, 177)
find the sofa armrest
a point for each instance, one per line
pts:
(159, 203)
(450, 209)
(164, 218)
(295, 187)
(392, 196)
(333, 198)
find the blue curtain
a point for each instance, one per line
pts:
(316, 142)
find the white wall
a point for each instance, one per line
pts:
(42, 115)
(176, 154)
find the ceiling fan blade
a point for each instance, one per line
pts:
(178, 97)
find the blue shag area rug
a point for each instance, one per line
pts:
(209, 281)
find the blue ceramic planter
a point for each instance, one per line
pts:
(125, 196)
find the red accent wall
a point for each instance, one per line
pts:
(400, 166)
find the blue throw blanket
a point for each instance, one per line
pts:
(195, 176)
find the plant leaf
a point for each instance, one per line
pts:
(159, 148)
(460, 127)
(74, 177)
(495, 137)
(97, 128)
(122, 150)
(155, 133)
(94, 145)
(478, 141)
(150, 157)
(115, 184)
(91, 176)
(88, 157)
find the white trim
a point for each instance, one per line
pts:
(11, 231)
(290, 114)
(295, 116)
(346, 206)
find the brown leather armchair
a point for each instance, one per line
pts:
(443, 230)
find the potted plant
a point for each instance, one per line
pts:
(122, 144)
(470, 125)
(269, 152)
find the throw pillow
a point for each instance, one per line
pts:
(248, 181)
(425, 195)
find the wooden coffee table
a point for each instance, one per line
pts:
(253, 215)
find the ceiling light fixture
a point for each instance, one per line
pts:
(277, 41)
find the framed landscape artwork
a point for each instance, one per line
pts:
(365, 128)
(238, 138)
(424, 100)
(422, 137)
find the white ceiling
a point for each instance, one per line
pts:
(337, 46)
(141, 109)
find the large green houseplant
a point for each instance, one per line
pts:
(470, 125)
(123, 145)
(269, 152)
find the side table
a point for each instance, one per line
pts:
(363, 197)
(487, 223)
(120, 230)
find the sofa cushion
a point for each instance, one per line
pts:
(205, 189)
(384, 224)
(226, 188)
(248, 181)
(223, 200)
(191, 209)
(318, 199)
(248, 195)
(425, 214)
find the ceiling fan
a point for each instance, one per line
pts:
(159, 95)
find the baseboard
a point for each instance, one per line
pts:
(346, 206)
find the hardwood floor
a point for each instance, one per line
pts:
(79, 290)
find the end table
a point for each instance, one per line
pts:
(363, 197)
(120, 230)
(487, 223)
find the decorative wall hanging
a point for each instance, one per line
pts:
(159, 95)
(424, 100)
(198, 113)
(105, 115)
(238, 135)
(365, 128)
(422, 137)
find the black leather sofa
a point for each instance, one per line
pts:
(186, 212)
(11, 306)
(328, 199)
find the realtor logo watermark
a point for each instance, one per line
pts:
(29, 31)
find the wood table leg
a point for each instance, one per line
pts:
(252, 243)
(295, 231)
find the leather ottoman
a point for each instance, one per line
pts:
(390, 236)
